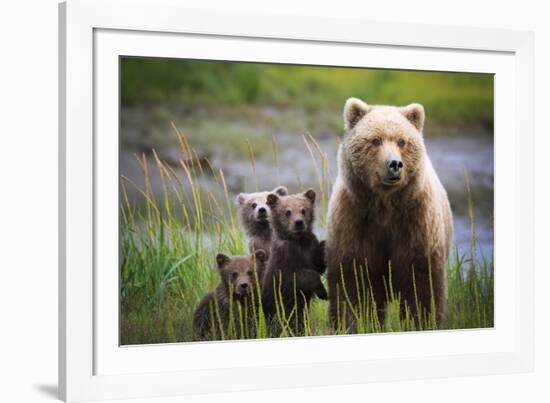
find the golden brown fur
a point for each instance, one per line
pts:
(375, 218)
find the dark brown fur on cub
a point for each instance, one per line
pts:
(238, 287)
(255, 217)
(296, 255)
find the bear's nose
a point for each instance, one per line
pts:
(262, 210)
(244, 286)
(394, 166)
(299, 224)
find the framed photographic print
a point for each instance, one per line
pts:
(257, 202)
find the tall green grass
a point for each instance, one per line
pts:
(168, 245)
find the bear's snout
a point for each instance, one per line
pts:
(261, 213)
(299, 224)
(394, 167)
(242, 288)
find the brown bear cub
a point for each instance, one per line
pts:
(293, 274)
(235, 297)
(255, 215)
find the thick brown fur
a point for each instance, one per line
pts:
(373, 221)
(238, 287)
(293, 274)
(255, 217)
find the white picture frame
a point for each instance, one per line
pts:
(94, 33)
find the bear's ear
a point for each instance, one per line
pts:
(280, 190)
(272, 199)
(414, 114)
(260, 255)
(240, 199)
(354, 110)
(222, 260)
(310, 194)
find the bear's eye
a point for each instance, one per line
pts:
(249, 272)
(288, 213)
(303, 211)
(377, 141)
(234, 274)
(254, 205)
(401, 143)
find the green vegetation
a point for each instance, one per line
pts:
(449, 98)
(168, 245)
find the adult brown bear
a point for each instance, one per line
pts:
(387, 209)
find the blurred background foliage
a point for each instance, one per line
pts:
(449, 98)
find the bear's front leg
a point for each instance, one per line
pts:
(310, 281)
(421, 283)
(354, 291)
(319, 262)
(339, 274)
